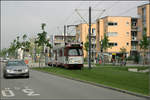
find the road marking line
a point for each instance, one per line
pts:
(7, 93)
(29, 92)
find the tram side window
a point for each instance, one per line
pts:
(55, 55)
(63, 52)
(60, 52)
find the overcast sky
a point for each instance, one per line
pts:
(25, 17)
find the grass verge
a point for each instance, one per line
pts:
(117, 77)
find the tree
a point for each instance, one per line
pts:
(24, 37)
(18, 43)
(25, 44)
(3, 52)
(42, 41)
(123, 51)
(12, 49)
(144, 43)
(86, 44)
(105, 43)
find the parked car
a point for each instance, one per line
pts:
(15, 68)
(1, 59)
(5, 60)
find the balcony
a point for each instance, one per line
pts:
(58, 41)
(134, 48)
(134, 38)
(93, 42)
(134, 28)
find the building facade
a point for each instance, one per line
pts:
(118, 30)
(82, 36)
(144, 20)
(144, 24)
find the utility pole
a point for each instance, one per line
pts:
(89, 62)
(64, 33)
(35, 50)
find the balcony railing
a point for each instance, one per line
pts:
(134, 28)
(133, 48)
(134, 38)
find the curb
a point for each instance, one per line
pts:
(99, 85)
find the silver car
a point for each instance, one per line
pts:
(16, 68)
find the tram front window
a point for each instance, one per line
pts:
(75, 52)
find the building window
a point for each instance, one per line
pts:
(127, 43)
(127, 33)
(112, 23)
(127, 23)
(112, 34)
(113, 44)
(134, 23)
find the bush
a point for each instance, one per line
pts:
(130, 58)
(136, 58)
(85, 59)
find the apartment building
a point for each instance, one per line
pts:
(144, 23)
(118, 29)
(82, 34)
(144, 20)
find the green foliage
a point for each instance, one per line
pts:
(24, 37)
(136, 58)
(86, 45)
(3, 52)
(144, 43)
(130, 58)
(41, 40)
(12, 49)
(18, 43)
(43, 25)
(105, 42)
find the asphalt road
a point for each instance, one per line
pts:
(45, 86)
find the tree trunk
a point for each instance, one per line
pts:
(40, 61)
(23, 53)
(144, 58)
(41, 56)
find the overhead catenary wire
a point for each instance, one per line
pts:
(69, 17)
(98, 15)
(127, 11)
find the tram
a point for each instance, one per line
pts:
(68, 55)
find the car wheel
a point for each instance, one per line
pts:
(28, 76)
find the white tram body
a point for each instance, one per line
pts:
(68, 55)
